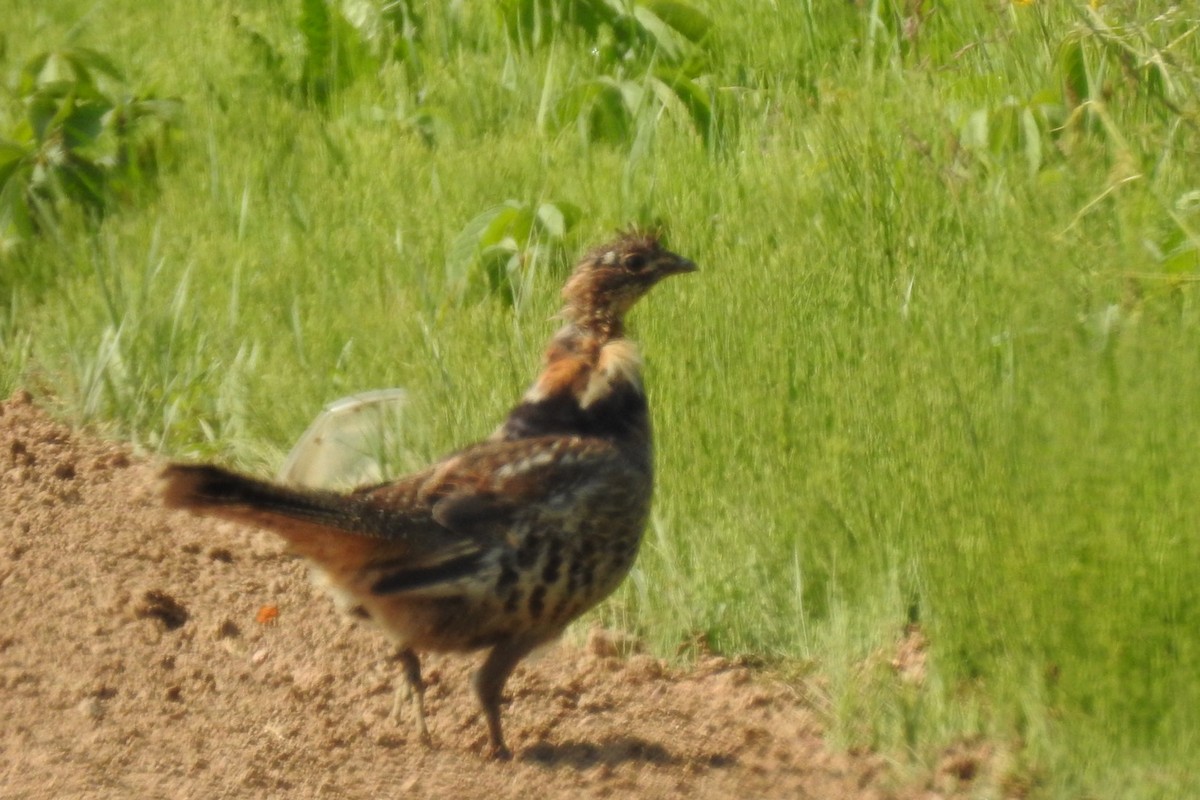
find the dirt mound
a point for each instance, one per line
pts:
(145, 653)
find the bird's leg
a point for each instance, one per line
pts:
(413, 691)
(489, 686)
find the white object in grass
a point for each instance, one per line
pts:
(349, 443)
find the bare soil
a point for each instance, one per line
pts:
(146, 653)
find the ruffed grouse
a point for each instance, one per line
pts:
(503, 543)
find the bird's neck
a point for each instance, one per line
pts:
(590, 385)
(594, 322)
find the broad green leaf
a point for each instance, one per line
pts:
(46, 107)
(1185, 258)
(500, 263)
(433, 126)
(83, 182)
(666, 96)
(1032, 140)
(974, 132)
(552, 220)
(499, 246)
(500, 226)
(632, 93)
(696, 101)
(267, 55)
(1004, 128)
(61, 68)
(96, 61)
(82, 127)
(14, 206)
(606, 117)
(1188, 203)
(11, 153)
(599, 109)
(670, 43)
(685, 18)
(463, 249)
(30, 72)
(404, 18)
(1072, 67)
(352, 55)
(521, 20)
(558, 218)
(523, 222)
(571, 214)
(317, 30)
(163, 109)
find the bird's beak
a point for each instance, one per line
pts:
(677, 266)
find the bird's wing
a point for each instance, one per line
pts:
(478, 492)
(482, 497)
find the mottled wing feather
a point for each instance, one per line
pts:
(490, 493)
(477, 492)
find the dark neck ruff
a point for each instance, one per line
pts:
(621, 413)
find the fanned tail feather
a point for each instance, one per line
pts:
(338, 532)
(208, 489)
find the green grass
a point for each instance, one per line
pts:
(921, 377)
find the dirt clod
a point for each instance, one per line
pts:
(157, 604)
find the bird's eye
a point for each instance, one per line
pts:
(634, 262)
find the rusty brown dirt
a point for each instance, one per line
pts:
(146, 653)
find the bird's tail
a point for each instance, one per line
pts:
(206, 489)
(325, 526)
(344, 535)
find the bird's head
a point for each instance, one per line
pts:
(609, 279)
